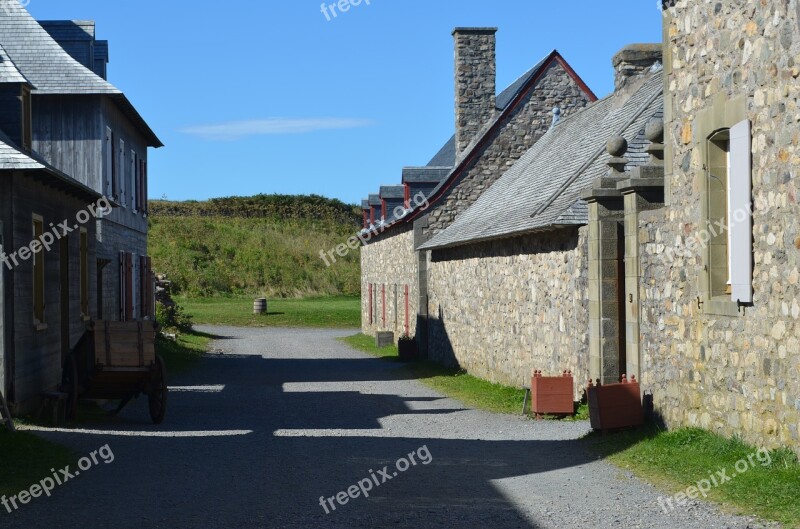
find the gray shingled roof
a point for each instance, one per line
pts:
(542, 190)
(46, 65)
(49, 68)
(429, 174)
(446, 157)
(8, 70)
(12, 158)
(393, 192)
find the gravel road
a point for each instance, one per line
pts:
(275, 419)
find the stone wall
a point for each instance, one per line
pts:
(736, 374)
(504, 308)
(388, 267)
(514, 138)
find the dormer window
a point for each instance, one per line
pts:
(27, 119)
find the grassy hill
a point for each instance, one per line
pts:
(263, 245)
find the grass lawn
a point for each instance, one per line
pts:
(335, 312)
(470, 390)
(183, 353)
(26, 459)
(679, 459)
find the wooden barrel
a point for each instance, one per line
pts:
(260, 306)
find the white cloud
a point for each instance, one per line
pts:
(235, 130)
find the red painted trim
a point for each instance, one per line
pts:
(383, 305)
(407, 195)
(500, 122)
(383, 209)
(371, 215)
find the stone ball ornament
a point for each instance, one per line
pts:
(654, 130)
(617, 146)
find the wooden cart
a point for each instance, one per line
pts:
(117, 361)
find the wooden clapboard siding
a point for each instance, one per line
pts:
(36, 363)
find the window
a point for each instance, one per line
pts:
(729, 205)
(718, 213)
(84, 273)
(38, 273)
(109, 163)
(27, 119)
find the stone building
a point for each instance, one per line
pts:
(719, 293)
(508, 281)
(492, 132)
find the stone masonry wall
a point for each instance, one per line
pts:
(389, 264)
(521, 131)
(504, 308)
(737, 374)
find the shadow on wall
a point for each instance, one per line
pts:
(555, 251)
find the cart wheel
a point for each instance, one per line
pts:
(69, 385)
(158, 392)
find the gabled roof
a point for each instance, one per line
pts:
(8, 70)
(543, 189)
(50, 69)
(428, 174)
(446, 157)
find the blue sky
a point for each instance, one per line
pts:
(262, 96)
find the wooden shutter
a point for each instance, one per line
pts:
(740, 213)
(129, 287)
(109, 152)
(133, 183)
(123, 175)
(146, 286)
(145, 206)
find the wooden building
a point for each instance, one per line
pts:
(71, 144)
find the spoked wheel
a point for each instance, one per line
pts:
(69, 385)
(158, 391)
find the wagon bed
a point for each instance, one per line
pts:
(117, 361)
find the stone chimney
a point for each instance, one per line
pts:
(635, 60)
(476, 72)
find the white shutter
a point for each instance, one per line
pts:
(740, 213)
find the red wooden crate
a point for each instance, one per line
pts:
(552, 395)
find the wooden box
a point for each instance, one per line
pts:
(552, 395)
(615, 406)
(124, 344)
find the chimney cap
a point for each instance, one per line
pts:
(474, 31)
(638, 53)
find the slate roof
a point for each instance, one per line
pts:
(429, 174)
(49, 68)
(8, 70)
(389, 192)
(12, 158)
(542, 190)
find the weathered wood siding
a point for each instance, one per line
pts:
(36, 361)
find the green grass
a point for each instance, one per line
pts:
(276, 257)
(184, 352)
(679, 459)
(335, 312)
(26, 459)
(470, 390)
